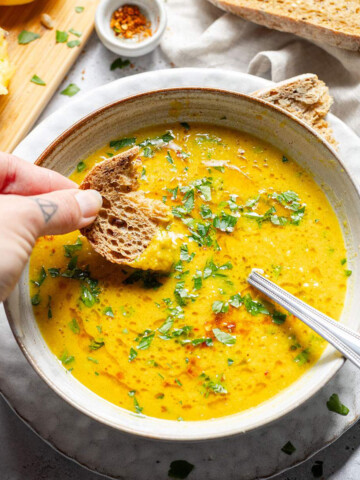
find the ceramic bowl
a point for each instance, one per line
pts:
(153, 9)
(217, 107)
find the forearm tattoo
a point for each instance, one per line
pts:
(47, 207)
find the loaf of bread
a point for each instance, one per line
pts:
(336, 22)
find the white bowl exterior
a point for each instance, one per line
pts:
(242, 113)
(155, 11)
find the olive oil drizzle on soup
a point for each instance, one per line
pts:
(197, 343)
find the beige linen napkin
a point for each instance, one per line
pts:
(201, 35)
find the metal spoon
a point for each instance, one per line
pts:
(344, 339)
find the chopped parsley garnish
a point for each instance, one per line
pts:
(254, 307)
(145, 339)
(61, 37)
(92, 359)
(73, 43)
(288, 448)
(212, 386)
(180, 469)
(278, 317)
(65, 358)
(284, 159)
(148, 278)
(35, 300)
(26, 37)
(334, 405)
(75, 32)
(119, 63)
(49, 312)
(88, 296)
(41, 278)
(132, 354)
(225, 222)
(79, 9)
(74, 326)
(182, 295)
(81, 166)
(220, 307)
(236, 300)
(224, 337)
(348, 273)
(70, 90)
(343, 261)
(184, 253)
(302, 357)
(108, 311)
(137, 407)
(54, 272)
(122, 142)
(37, 80)
(96, 344)
(167, 325)
(230, 362)
(178, 382)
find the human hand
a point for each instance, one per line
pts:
(35, 201)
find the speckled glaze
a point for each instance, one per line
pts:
(310, 427)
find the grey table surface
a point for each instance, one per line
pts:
(22, 453)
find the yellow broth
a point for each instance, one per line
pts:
(197, 343)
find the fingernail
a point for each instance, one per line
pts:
(89, 202)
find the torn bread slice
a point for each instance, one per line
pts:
(335, 22)
(127, 221)
(304, 96)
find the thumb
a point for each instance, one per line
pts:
(63, 211)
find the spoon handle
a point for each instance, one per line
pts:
(344, 339)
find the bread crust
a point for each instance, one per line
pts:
(335, 23)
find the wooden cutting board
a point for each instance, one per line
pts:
(43, 57)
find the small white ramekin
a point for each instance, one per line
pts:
(155, 12)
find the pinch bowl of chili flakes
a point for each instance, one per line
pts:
(128, 28)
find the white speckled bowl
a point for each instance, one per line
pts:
(217, 107)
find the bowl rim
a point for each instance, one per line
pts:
(187, 437)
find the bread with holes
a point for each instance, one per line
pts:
(127, 220)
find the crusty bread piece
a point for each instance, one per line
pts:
(128, 220)
(304, 96)
(336, 22)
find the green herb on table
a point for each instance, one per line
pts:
(74, 326)
(75, 32)
(26, 37)
(73, 43)
(180, 469)
(288, 448)
(37, 80)
(70, 90)
(79, 9)
(138, 409)
(119, 63)
(334, 405)
(123, 142)
(61, 37)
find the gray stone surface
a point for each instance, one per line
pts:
(22, 453)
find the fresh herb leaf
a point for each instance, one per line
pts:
(236, 300)
(230, 362)
(70, 249)
(348, 273)
(123, 142)
(254, 307)
(334, 405)
(224, 337)
(26, 37)
(119, 63)
(212, 386)
(54, 272)
(81, 166)
(138, 409)
(302, 357)
(132, 354)
(220, 307)
(87, 297)
(145, 339)
(75, 32)
(205, 211)
(225, 222)
(108, 311)
(343, 261)
(79, 9)
(35, 300)
(65, 358)
(288, 448)
(149, 279)
(70, 90)
(278, 317)
(180, 469)
(37, 80)
(49, 312)
(182, 294)
(197, 279)
(74, 326)
(92, 359)
(96, 344)
(73, 43)
(184, 253)
(61, 37)
(167, 325)
(284, 159)
(41, 278)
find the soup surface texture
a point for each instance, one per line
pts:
(198, 342)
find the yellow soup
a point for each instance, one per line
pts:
(198, 342)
